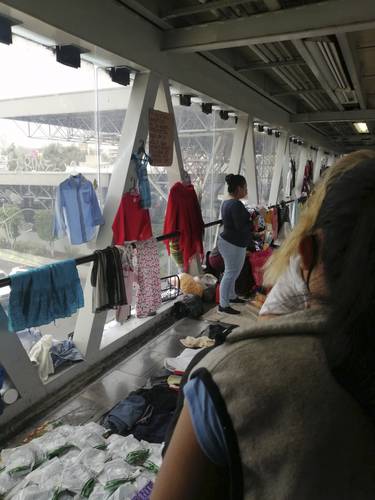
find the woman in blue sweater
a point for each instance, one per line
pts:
(234, 239)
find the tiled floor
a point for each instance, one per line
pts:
(130, 374)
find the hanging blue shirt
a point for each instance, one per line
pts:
(77, 210)
(141, 162)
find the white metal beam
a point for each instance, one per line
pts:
(355, 115)
(280, 161)
(352, 63)
(239, 140)
(334, 16)
(250, 165)
(89, 326)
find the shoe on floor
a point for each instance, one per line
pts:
(237, 300)
(228, 310)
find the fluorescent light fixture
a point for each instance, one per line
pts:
(361, 127)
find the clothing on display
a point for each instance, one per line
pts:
(40, 355)
(64, 352)
(123, 312)
(145, 413)
(141, 161)
(42, 295)
(132, 222)
(77, 211)
(307, 183)
(283, 222)
(148, 297)
(258, 261)
(107, 280)
(291, 178)
(184, 215)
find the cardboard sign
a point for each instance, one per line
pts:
(160, 126)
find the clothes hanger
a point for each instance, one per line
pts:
(73, 169)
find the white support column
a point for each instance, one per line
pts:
(250, 165)
(164, 103)
(239, 141)
(318, 164)
(280, 161)
(89, 327)
(301, 170)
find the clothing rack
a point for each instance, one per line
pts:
(302, 198)
(90, 258)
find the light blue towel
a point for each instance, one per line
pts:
(41, 295)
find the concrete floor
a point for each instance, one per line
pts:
(130, 374)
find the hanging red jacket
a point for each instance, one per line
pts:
(184, 214)
(132, 222)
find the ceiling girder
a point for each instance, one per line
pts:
(357, 115)
(261, 66)
(312, 20)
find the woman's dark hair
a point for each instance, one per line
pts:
(347, 252)
(234, 181)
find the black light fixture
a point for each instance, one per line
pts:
(206, 108)
(269, 131)
(277, 133)
(120, 75)
(236, 120)
(260, 128)
(70, 55)
(5, 30)
(299, 142)
(224, 115)
(185, 100)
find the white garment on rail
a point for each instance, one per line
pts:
(40, 355)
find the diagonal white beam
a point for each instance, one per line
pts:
(326, 18)
(352, 63)
(355, 115)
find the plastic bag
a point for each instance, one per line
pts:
(18, 461)
(33, 492)
(55, 443)
(93, 460)
(7, 483)
(74, 478)
(125, 492)
(119, 446)
(94, 427)
(70, 457)
(49, 474)
(87, 439)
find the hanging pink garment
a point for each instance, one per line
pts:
(148, 298)
(123, 312)
(257, 261)
(275, 224)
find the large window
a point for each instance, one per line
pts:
(265, 156)
(54, 121)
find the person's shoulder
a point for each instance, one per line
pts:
(280, 339)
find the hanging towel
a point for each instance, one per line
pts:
(42, 295)
(106, 280)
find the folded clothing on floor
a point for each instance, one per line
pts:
(196, 342)
(65, 352)
(145, 413)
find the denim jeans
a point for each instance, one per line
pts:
(234, 258)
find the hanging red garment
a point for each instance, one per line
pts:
(184, 214)
(132, 222)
